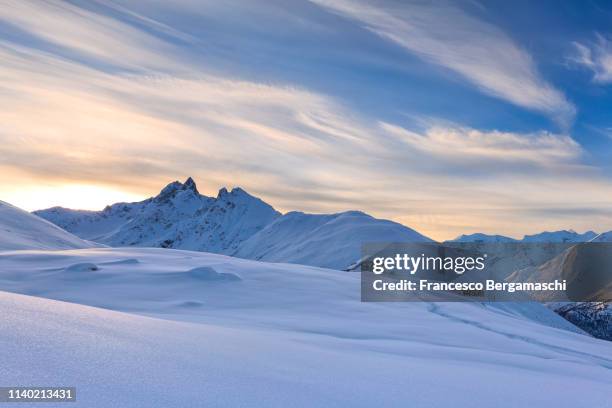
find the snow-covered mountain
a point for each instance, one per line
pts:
(330, 241)
(178, 217)
(479, 237)
(560, 236)
(546, 236)
(603, 237)
(22, 230)
(233, 223)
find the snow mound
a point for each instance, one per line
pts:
(82, 267)
(206, 273)
(22, 230)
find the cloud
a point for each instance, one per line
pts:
(462, 144)
(444, 35)
(77, 31)
(596, 57)
(67, 121)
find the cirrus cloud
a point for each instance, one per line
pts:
(444, 35)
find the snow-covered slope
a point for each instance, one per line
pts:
(179, 217)
(233, 223)
(22, 230)
(330, 241)
(242, 333)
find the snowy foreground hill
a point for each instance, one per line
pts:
(233, 223)
(22, 230)
(191, 329)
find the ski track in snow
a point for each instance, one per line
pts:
(604, 362)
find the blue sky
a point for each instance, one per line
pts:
(449, 117)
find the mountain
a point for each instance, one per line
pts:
(560, 236)
(234, 223)
(593, 317)
(178, 217)
(479, 237)
(326, 240)
(22, 230)
(554, 237)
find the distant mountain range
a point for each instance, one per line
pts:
(238, 224)
(233, 223)
(555, 236)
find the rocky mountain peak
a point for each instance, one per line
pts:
(172, 189)
(191, 185)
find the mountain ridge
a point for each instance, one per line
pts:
(232, 223)
(545, 236)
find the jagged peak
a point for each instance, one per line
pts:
(234, 193)
(172, 188)
(239, 196)
(191, 185)
(222, 192)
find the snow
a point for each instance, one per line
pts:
(479, 237)
(331, 241)
(178, 217)
(603, 237)
(547, 236)
(560, 236)
(281, 335)
(22, 230)
(234, 223)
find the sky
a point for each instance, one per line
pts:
(450, 117)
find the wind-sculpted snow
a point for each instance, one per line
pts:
(22, 230)
(281, 335)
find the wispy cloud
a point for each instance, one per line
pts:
(469, 145)
(81, 32)
(73, 121)
(444, 35)
(595, 56)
